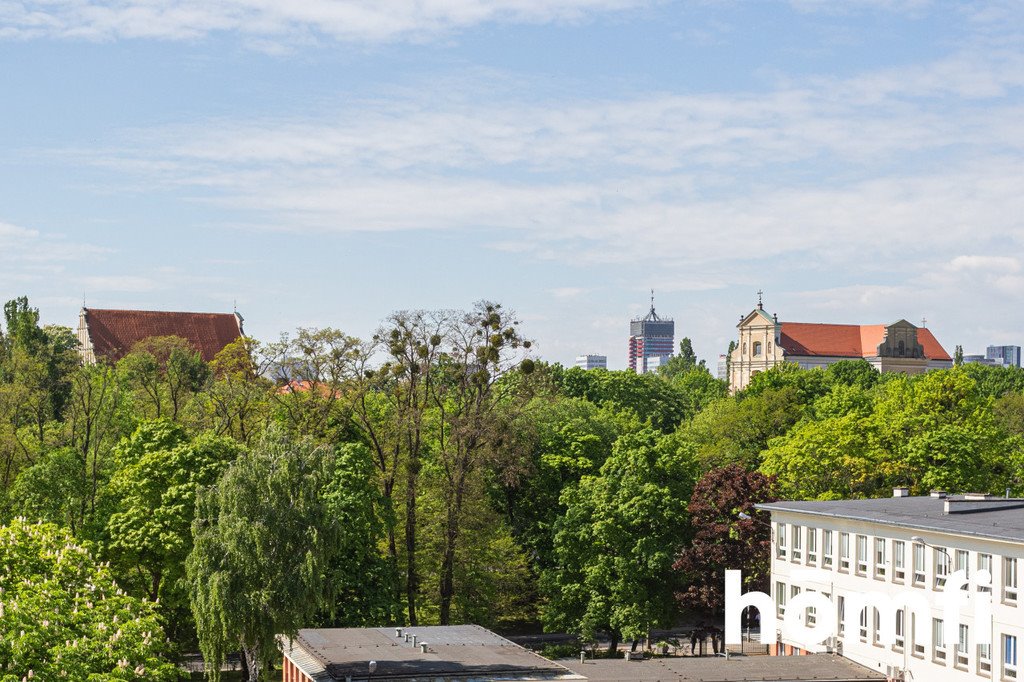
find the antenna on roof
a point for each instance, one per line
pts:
(234, 305)
(652, 300)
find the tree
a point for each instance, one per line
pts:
(62, 616)
(237, 400)
(154, 494)
(958, 356)
(616, 544)
(311, 371)
(264, 546)
(390, 405)
(475, 398)
(165, 371)
(685, 361)
(724, 540)
(648, 395)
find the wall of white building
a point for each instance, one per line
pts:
(799, 543)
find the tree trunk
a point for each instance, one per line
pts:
(451, 538)
(613, 646)
(251, 663)
(411, 577)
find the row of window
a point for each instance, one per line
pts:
(800, 545)
(940, 651)
(756, 348)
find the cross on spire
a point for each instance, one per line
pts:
(760, 304)
(924, 321)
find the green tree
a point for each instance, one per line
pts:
(264, 546)
(958, 356)
(165, 371)
(618, 539)
(236, 403)
(62, 616)
(648, 395)
(154, 494)
(682, 363)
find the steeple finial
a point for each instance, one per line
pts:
(760, 303)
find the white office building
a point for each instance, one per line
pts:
(898, 556)
(592, 361)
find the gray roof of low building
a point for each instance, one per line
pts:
(718, 669)
(993, 518)
(453, 652)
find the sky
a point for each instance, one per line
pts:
(326, 162)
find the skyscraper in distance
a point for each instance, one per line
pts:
(650, 336)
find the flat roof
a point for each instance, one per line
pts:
(993, 518)
(453, 651)
(718, 669)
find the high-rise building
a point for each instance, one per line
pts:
(650, 336)
(1008, 356)
(592, 361)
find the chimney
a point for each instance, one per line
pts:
(901, 492)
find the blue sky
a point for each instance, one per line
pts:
(324, 163)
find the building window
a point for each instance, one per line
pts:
(797, 543)
(962, 643)
(1010, 580)
(985, 564)
(812, 545)
(915, 637)
(984, 658)
(826, 541)
(863, 625)
(901, 628)
(899, 552)
(780, 598)
(963, 563)
(841, 613)
(862, 554)
(918, 565)
(744, 347)
(1009, 657)
(876, 628)
(938, 640)
(757, 348)
(780, 534)
(844, 551)
(941, 557)
(880, 563)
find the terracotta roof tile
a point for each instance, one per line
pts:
(847, 340)
(114, 332)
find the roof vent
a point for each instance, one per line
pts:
(398, 632)
(423, 647)
(901, 492)
(977, 496)
(939, 494)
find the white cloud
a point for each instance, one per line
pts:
(990, 263)
(268, 21)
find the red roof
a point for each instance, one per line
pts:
(114, 332)
(848, 340)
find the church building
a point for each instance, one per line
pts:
(764, 342)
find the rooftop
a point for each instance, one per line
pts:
(113, 333)
(848, 340)
(971, 515)
(718, 669)
(454, 651)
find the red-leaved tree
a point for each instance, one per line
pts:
(722, 539)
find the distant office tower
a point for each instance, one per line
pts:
(1008, 356)
(592, 361)
(723, 367)
(650, 337)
